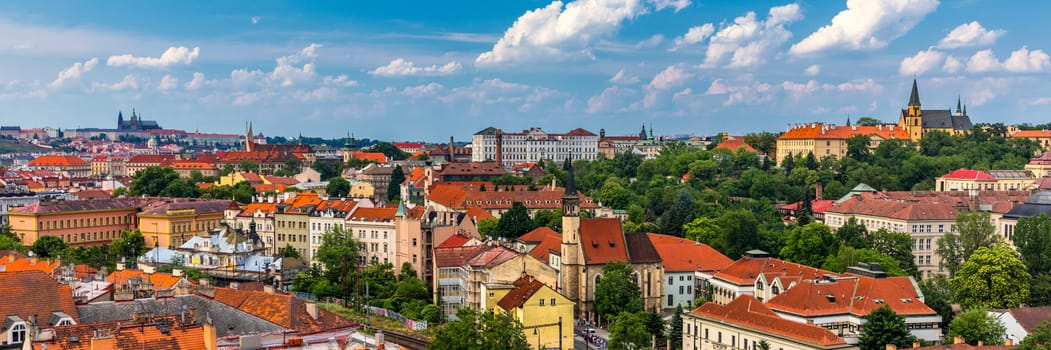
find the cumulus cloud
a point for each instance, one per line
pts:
(866, 24)
(622, 77)
(323, 93)
(952, 65)
(286, 73)
(74, 72)
(797, 90)
(695, 35)
(429, 89)
(813, 70)
(171, 56)
(560, 32)
(921, 62)
(256, 19)
(611, 99)
(970, 34)
(197, 82)
(670, 77)
(402, 68)
(1021, 61)
(340, 80)
(748, 91)
(168, 82)
(130, 82)
(748, 42)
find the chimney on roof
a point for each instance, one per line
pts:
(957, 340)
(981, 343)
(915, 344)
(311, 308)
(451, 157)
(1009, 342)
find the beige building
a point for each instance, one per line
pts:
(1041, 137)
(829, 140)
(292, 224)
(985, 180)
(1040, 165)
(745, 322)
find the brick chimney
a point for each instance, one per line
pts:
(819, 191)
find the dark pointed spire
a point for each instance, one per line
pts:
(958, 109)
(964, 109)
(642, 135)
(914, 98)
(848, 120)
(571, 190)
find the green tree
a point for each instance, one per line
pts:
(975, 231)
(338, 187)
(858, 147)
(288, 251)
(480, 331)
(1032, 237)
(704, 230)
(181, 188)
(868, 121)
(675, 333)
(763, 345)
(338, 253)
(883, 326)
(938, 296)
(431, 313)
(977, 325)
(853, 234)
(388, 149)
(130, 245)
(897, 245)
(850, 256)
(617, 291)
(628, 331)
(809, 245)
(514, 222)
(151, 181)
(48, 246)
(740, 232)
(993, 277)
(1039, 339)
(487, 227)
(679, 214)
(11, 243)
(397, 176)
(551, 218)
(249, 166)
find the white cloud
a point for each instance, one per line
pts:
(866, 24)
(970, 34)
(952, 65)
(813, 70)
(1040, 101)
(340, 80)
(244, 76)
(670, 77)
(256, 19)
(168, 82)
(611, 99)
(749, 91)
(560, 33)
(323, 93)
(130, 82)
(402, 68)
(797, 90)
(171, 56)
(245, 98)
(921, 62)
(428, 89)
(676, 4)
(695, 35)
(1020, 61)
(197, 82)
(622, 77)
(652, 42)
(74, 72)
(748, 42)
(286, 73)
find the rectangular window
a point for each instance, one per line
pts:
(552, 301)
(670, 300)
(541, 302)
(671, 280)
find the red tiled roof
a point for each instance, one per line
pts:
(456, 240)
(126, 336)
(373, 214)
(32, 292)
(538, 234)
(524, 289)
(287, 181)
(925, 205)
(814, 131)
(161, 280)
(252, 177)
(747, 311)
(818, 206)
(478, 213)
(733, 143)
(1032, 133)
(579, 132)
(57, 161)
(968, 174)
(492, 256)
(745, 270)
(159, 159)
(455, 256)
(377, 157)
(602, 240)
(551, 244)
(679, 254)
(472, 169)
(192, 164)
(281, 309)
(408, 145)
(858, 295)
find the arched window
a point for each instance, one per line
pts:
(17, 334)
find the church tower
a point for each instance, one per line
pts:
(120, 120)
(571, 254)
(249, 141)
(913, 115)
(349, 146)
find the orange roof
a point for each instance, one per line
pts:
(251, 208)
(1032, 133)
(284, 310)
(192, 165)
(602, 240)
(304, 199)
(127, 336)
(524, 289)
(747, 311)
(478, 213)
(377, 157)
(11, 263)
(679, 254)
(733, 143)
(551, 243)
(456, 240)
(373, 214)
(538, 234)
(820, 131)
(32, 292)
(416, 174)
(858, 295)
(160, 159)
(268, 187)
(161, 280)
(745, 270)
(59, 161)
(288, 181)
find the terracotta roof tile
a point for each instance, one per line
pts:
(821, 132)
(745, 270)
(32, 292)
(551, 244)
(747, 311)
(538, 234)
(968, 174)
(857, 295)
(477, 213)
(1032, 133)
(733, 143)
(602, 240)
(524, 289)
(158, 159)
(59, 161)
(161, 280)
(679, 254)
(127, 336)
(455, 256)
(373, 214)
(377, 157)
(14, 263)
(281, 309)
(456, 240)
(492, 256)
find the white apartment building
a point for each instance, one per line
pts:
(532, 145)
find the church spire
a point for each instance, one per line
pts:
(914, 98)
(571, 189)
(642, 134)
(959, 111)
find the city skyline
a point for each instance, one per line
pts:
(404, 74)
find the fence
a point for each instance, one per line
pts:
(412, 324)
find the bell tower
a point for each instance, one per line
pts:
(914, 115)
(571, 256)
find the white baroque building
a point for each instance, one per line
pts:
(535, 144)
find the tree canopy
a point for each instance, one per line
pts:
(338, 187)
(993, 277)
(480, 331)
(617, 291)
(514, 222)
(883, 326)
(48, 246)
(977, 325)
(975, 231)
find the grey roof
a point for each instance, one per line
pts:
(1039, 203)
(487, 131)
(227, 320)
(944, 119)
(158, 255)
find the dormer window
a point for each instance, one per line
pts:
(16, 329)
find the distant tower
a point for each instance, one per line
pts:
(571, 259)
(642, 134)
(959, 110)
(249, 142)
(120, 120)
(349, 146)
(914, 115)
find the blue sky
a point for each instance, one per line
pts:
(425, 70)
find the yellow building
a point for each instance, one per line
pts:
(825, 140)
(918, 121)
(546, 316)
(362, 189)
(1041, 137)
(985, 180)
(173, 223)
